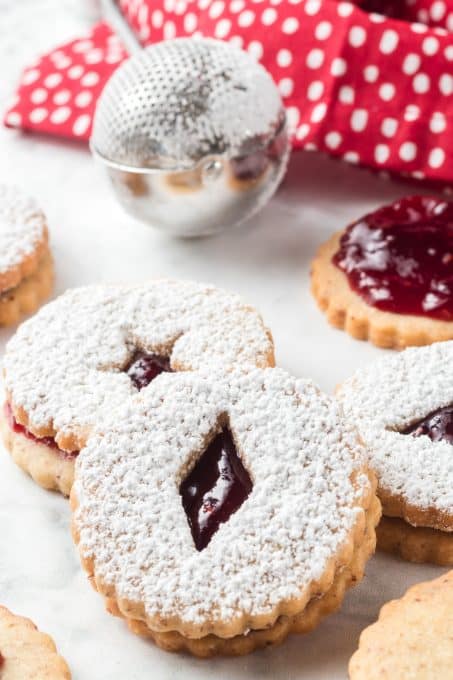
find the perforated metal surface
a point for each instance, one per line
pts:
(180, 101)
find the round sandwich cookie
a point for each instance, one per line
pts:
(26, 270)
(412, 637)
(94, 347)
(403, 408)
(26, 653)
(219, 513)
(388, 277)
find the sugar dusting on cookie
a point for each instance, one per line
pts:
(64, 367)
(386, 397)
(309, 485)
(22, 227)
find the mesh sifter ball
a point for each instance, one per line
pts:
(193, 134)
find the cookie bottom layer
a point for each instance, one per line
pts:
(27, 653)
(415, 544)
(317, 608)
(348, 311)
(28, 295)
(411, 638)
(45, 465)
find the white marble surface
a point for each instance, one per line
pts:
(268, 263)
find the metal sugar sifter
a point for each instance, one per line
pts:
(192, 132)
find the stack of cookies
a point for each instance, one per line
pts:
(220, 504)
(26, 272)
(192, 457)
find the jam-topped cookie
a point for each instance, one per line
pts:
(26, 653)
(412, 637)
(389, 276)
(26, 271)
(218, 513)
(94, 347)
(402, 406)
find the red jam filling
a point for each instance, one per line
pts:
(215, 488)
(438, 426)
(400, 258)
(47, 441)
(145, 367)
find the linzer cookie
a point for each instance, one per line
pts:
(219, 513)
(403, 408)
(388, 277)
(94, 347)
(26, 272)
(26, 653)
(412, 637)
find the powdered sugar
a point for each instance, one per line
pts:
(64, 366)
(385, 398)
(300, 455)
(22, 227)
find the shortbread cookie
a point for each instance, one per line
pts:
(415, 544)
(94, 347)
(218, 513)
(387, 277)
(412, 638)
(26, 653)
(26, 273)
(28, 295)
(403, 408)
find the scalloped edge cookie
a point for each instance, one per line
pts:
(43, 464)
(412, 637)
(347, 311)
(319, 605)
(248, 334)
(23, 236)
(27, 653)
(29, 294)
(415, 544)
(317, 608)
(267, 410)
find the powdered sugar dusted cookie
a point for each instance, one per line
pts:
(93, 348)
(412, 637)
(403, 408)
(387, 277)
(218, 513)
(26, 271)
(26, 653)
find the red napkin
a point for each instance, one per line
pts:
(369, 88)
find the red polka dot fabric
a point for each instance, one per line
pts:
(370, 88)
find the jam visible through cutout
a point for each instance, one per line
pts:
(400, 258)
(145, 367)
(47, 441)
(215, 488)
(438, 426)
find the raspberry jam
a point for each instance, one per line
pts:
(145, 367)
(400, 258)
(438, 426)
(47, 441)
(215, 488)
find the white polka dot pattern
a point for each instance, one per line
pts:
(339, 69)
(59, 93)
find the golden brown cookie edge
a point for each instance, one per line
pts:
(347, 311)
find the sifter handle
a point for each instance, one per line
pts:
(113, 15)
